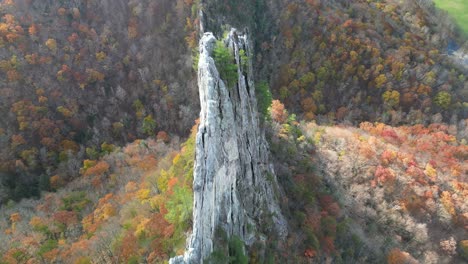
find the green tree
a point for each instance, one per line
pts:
(225, 63)
(236, 251)
(322, 73)
(107, 148)
(139, 108)
(47, 246)
(264, 98)
(179, 207)
(244, 59)
(149, 125)
(443, 99)
(307, 79)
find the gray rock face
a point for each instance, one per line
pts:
(461, 57)
(234, 182)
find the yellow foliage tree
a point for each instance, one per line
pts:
(51, 44)
(141, 227)
(430, 171)
(100, 56)
(391, 98)
(380, 80)
(143, 195)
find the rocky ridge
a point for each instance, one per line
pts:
(234, 181)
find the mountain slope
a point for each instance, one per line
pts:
(113, 71)
(132, 205)
(77, 74)
(406, 186)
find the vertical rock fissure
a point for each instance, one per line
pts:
(231, 213)
(247, 85)
(220, 111)
(231, 189)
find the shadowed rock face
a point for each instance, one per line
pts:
(234, 182)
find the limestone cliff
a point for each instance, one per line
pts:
(234, 181)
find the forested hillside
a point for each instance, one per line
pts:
(131, 205)
(365, 60)
(78, 77)
(93, 76)
(372, 194)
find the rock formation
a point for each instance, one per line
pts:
(235, 187)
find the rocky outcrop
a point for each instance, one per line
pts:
(234, 183)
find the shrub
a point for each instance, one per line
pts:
(236, 251)
(47, 246)
(264, 98)
(225, 63)
(75, 201)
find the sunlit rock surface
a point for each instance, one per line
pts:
(234, 182)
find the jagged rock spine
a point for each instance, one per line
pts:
(234, 182)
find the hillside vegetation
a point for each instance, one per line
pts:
(78, 77)
(132, 205)
(406, 186)
(372, 194)
(364, 60)
(98, 74)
